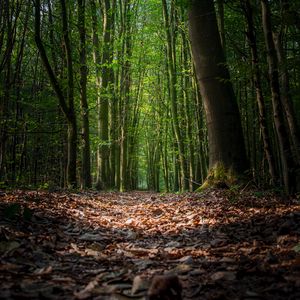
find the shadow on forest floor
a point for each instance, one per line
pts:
(110, 245)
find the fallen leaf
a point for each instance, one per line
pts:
(139, 284)
(43, 271)
(90, 237)
(8, 246)
(223, 275)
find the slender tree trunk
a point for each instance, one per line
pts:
(97, 61)
(67, 108)
(164, 153)
(105, 96)
(187, 87)
(51, 39)
(173, 94)
(225, 136)
(259, 94)
(86, 157)
(126, 77)
(6, 48)
(201, 136)
(286, 99)
(283, 141)
(72, 123)
(112, 103)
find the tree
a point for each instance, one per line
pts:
(150, 116)
(251, 36)
(171, 65)
(86, 160)
(225, 136)
(67, 105)
(105, 95)
(287, 162)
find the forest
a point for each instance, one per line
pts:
(105, 94)
(149, 149)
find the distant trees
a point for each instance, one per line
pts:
(105, 93)
(256, 70)
(288, 163)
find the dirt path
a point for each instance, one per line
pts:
(221, 245)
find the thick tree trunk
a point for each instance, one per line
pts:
(225, 136)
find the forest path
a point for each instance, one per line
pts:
(221, 245)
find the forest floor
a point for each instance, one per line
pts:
(220, 245)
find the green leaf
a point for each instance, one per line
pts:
(297, 248)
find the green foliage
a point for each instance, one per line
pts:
(182, 3)
(259, 194)
(233, 194)
(44, 186)
(220, 177)
(36, 149)
(4, 185)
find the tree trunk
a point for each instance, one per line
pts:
(287, 163)
(286, 99)
(113, 102)
(67, 108)
(225, 136)
(187, 88)
(86, 158)
(103, 180)
(221, 23)
(173, 93)
(259, 94)
(97, 62)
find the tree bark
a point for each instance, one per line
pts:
(258, 88)
(287, 164)
(86, 180)
(68, 109)
(97, 62)
(221, 23)
(105, 96)
(173, 93)
(286, 98)
(225, 136)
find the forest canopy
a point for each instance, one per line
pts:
(161, 95)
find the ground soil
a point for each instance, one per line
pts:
(220, 244)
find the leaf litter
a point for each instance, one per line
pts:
(142, 245)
